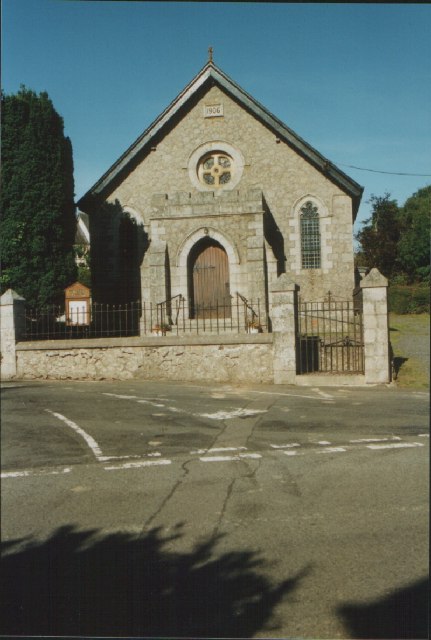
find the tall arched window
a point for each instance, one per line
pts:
(310, 236)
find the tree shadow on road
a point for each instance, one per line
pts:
(80, 583)
(403, 614)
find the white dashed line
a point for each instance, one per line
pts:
(137, 465)
(423, 435)
(236, 458)
(374, 439)
(121, 397)
(395, 445)
(153, 404)
(16, 474)
(26, 474)
(218, 450)
(285, 446)
(332, 450)
(323, 442)
(292, 453)
(227, 415)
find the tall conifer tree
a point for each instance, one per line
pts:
(37, 200)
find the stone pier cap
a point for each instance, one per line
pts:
(373, 279)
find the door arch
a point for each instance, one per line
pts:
(208, 280)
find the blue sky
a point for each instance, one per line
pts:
(353, 80)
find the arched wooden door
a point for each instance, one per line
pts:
(209, 281)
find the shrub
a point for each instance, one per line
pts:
(404, 299)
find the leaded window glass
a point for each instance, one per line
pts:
(215, 169)
(310, 236)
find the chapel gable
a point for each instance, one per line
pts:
(225, 198)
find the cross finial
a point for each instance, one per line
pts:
(210, 54)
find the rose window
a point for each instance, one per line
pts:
(215, 169)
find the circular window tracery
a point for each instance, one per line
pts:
(215, 166)
(215, 169)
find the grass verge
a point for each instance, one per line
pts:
(410, 339)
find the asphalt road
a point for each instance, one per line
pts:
(159, 509)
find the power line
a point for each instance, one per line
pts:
(392, 173)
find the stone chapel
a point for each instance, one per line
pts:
(219, 197)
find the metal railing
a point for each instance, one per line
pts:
(96, 321)
(171, 317)
(180, 316)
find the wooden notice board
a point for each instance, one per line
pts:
(78, 310)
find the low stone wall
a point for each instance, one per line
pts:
(233, 359)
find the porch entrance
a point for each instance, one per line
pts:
(208, 273)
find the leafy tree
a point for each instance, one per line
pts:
(396, 239)
(414, 243)
(37, 200)
(380, 235)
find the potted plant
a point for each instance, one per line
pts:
(160, 329)
(254, 326)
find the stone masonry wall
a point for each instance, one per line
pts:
(234, 218)
(285, 178)
(245, 360)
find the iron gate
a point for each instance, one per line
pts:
(330, 337)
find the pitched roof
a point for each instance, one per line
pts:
(82, 235)
(211, 75)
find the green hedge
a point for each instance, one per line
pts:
(408, 299)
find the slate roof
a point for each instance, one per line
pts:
(209, 76)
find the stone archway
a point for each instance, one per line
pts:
(208, 280)
(198, 238)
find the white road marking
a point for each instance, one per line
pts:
(16, 474)
(322, 442)
(25, 474)
(285, 446)
(395, 445)
(106, 458)
(122, 397)
(292, 453)
(323, 393)
(97, 452)
(375, 439)
(153, 404)
(424, 435)
(218, 450)
(332, 450)
(240, 456)
(227, 415)
(137, 465)
(289, 395)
